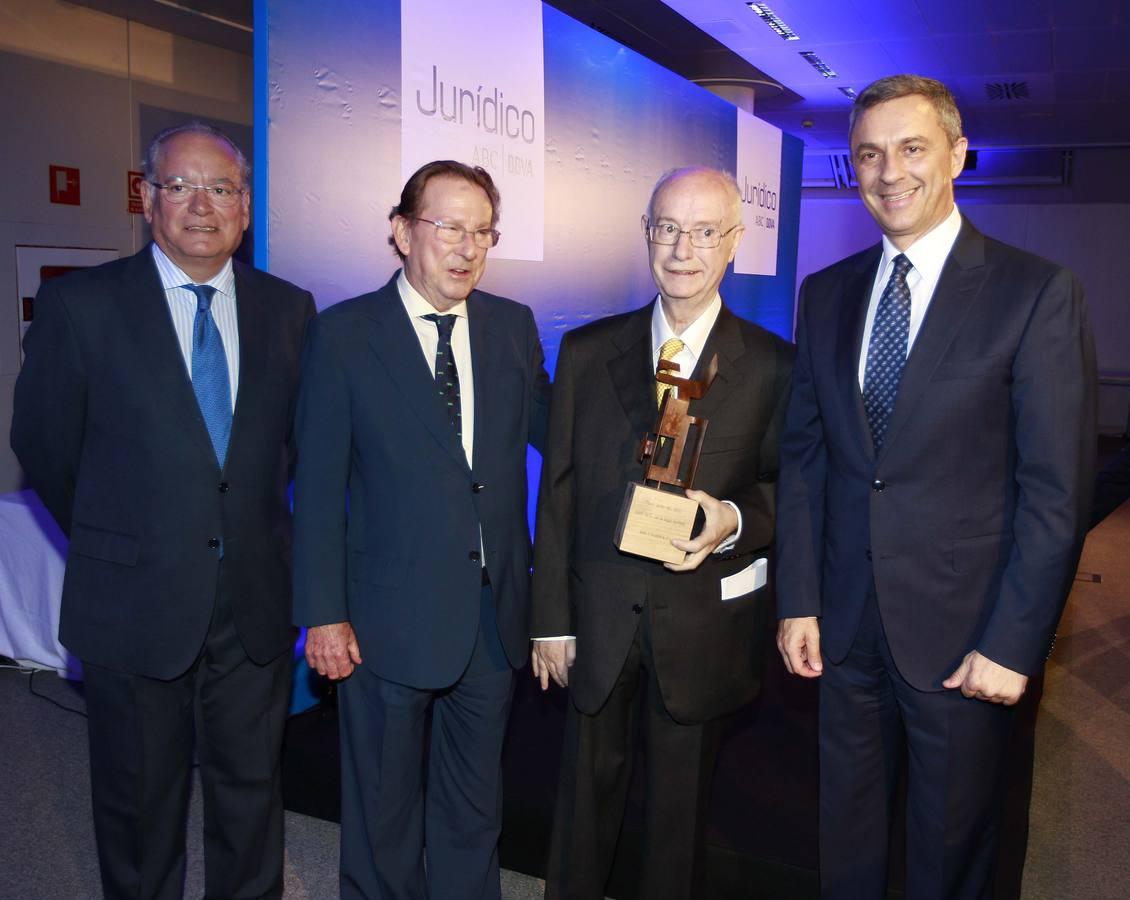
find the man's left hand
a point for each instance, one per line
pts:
(982, 679)
(721, 522)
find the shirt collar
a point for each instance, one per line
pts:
(173, 276)
(928, 254)
(418, 307)
(693, 337)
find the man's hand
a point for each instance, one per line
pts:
(721, 522)
(982, 679)
(553, 659)
(798, 640)
(332, 650)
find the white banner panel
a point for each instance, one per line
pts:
(473, 89)
(759, 179)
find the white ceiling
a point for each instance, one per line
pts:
(1072, 57)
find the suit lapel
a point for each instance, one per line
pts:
(961, 281)
(145, 313)
(484, 335)
(251, 313)
(849, 345)
(725, 339)
(631, 371)
(393, 339)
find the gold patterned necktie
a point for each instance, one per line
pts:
(668, 351)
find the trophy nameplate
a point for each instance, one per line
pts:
(657, 510)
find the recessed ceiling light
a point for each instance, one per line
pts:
(818, 64)
(773, 20)
(848, 92)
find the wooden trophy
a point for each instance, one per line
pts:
(657, 509)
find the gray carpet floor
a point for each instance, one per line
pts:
(1079, 846)
(1079, 843)
(47, 834)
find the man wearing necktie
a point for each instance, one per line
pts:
(936, 472)
(662, 651)
(153, 416)
(412, 548)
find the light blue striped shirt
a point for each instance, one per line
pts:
(182, 308)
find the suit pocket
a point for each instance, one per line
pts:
(999, 366)
(109, 546)
(981, 553)
(369, 569)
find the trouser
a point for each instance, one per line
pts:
(955, 748)
(141, 748)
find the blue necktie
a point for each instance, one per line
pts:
(886, 351)
(210, 372)
(447, 378)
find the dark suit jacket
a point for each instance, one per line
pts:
(109, 433)
(706, 652)
(971, 519)
(400, 558)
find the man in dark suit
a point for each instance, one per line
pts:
(936, 473)
(418, 401)
(668, 648)
(177, 589)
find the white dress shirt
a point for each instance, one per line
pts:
(428, 334)
(182, 307)
(928, 256)
(693, 337)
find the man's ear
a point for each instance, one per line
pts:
(957, 156)
(402, 234)
(739, 232)
(148, 198)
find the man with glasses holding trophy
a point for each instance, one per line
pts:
(663, 645)
(412, 548)
(153, 416)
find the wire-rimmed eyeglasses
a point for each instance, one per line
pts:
(484, 238)
(177, 191)
(705, 237)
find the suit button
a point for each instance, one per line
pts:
(474, 556)
(476, 487)
(637, 609)
(878, 486)
(213, 543)
(869, 555)
(224, 487)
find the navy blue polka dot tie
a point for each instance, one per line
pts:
(886, 351)
(447, 377)
(210, 372)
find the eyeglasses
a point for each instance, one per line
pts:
(484, 238)
(179, 191)
(706, 237)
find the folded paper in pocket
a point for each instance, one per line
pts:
(748, 579)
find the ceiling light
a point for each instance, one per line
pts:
(773, 20)
(818, 64)
(848, 92)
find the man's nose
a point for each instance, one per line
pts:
(199, 203)
(892, 169)
(467, 248)
(683, 247)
